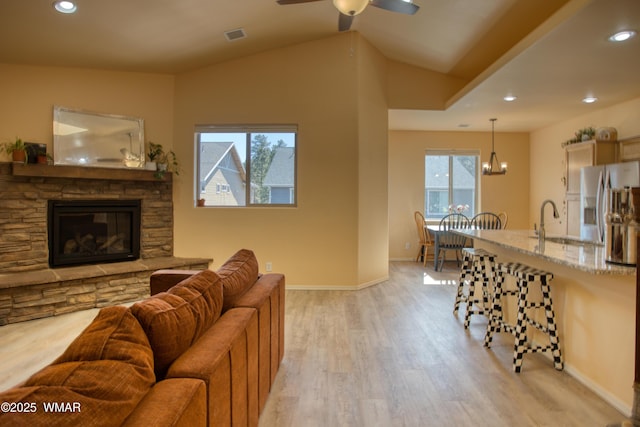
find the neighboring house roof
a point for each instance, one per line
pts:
(212, 154)
(439, 174)
(281, 170)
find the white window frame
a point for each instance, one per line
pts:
(450, 189)
(248, 190)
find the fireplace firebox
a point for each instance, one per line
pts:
(93, 231)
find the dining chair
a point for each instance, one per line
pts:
(425, 238)
(486, 221)
(448, 241)
(503, 219)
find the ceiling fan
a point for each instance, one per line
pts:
(350, 8)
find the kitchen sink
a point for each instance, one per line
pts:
(568, 240)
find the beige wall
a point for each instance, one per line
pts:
(547, 155)
(413, 88)
(29, 94)
(373, 215)
(507, 193)
(316, 86)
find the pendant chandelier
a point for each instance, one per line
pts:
(493, 166)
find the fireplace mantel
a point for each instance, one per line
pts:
(82, 172)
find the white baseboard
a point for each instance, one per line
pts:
(335, 288)
(604, 394)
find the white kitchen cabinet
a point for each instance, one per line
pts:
(579, 155)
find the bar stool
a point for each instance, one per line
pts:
(524, 275)
(478, 267)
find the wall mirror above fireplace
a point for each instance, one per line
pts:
(85, 138)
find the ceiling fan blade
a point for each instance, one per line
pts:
(344, 22)
(399, 6)
(285, 2)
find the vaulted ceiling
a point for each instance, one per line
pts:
(550, 54)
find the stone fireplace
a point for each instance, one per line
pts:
(30, 288)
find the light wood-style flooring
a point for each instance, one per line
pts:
(389, 355)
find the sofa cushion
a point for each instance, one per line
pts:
(238, 274)
(98, 380)
(175, 319)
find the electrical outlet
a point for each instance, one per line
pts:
(407, 245)
(268, 266)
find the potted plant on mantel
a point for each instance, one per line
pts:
(161, 161)
(44, 158)
(154, 153)
(16, 149)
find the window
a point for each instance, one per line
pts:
(246, 165)
(451, 180)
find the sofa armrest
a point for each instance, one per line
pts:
(267, 297)
(162, 280)
(176, 402)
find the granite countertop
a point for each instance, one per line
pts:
(587, 257)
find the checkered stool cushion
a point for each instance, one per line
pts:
(524, 275)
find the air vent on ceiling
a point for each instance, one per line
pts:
(234, 35)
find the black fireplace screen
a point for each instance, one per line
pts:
(93, 231)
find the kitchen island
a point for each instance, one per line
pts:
(594, 304)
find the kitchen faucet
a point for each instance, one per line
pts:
(541, 232)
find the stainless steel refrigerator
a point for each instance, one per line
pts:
(594, 183)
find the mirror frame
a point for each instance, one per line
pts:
(87, 138)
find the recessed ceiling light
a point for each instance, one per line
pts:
(589, 99)
(510, 98)
(622, 36)
(64, 6)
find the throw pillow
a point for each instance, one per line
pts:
(175, 319)
(99, 379)
(238, 275)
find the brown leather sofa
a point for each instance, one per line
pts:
(203, 350)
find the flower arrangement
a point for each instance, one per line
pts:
(458, 208)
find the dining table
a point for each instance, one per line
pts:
(436, 232)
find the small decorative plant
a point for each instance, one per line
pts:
(43, 157)
(581, 135)
(166, 161)
(155, 151)
(16, 149)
